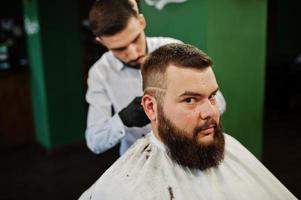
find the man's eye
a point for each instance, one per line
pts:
(212, 97)
(189, 100)
(119, 50)
(137, 38)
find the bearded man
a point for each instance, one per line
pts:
(186, 155)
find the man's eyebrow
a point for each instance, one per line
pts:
(215, 91)
(124, 47)
(190, 93)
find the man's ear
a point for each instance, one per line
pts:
(149, 105)
(135, 5)
(99, 40)
(142, 21)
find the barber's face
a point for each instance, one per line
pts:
(188, 121)
(129, 45)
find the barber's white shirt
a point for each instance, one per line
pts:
(146, 172)
(111, 83)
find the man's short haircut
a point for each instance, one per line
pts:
(108, 17)
(180, 55)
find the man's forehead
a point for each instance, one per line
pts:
(180, 80)
(179, 73)
(125, 37)
(125, 42)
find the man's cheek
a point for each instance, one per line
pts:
(184, 120)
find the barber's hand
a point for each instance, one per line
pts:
(133, 114)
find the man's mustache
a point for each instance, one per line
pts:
(209, 123)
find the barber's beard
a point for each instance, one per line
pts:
(131, 65)
(187, 151)
(134, 63)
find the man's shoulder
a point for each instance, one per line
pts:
(234, 148)
(123, 172)
(232, 142)
(134, 152)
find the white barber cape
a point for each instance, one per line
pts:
(146, 172)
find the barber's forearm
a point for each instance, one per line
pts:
(104, 135)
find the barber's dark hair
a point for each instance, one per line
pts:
(108, 17)
(180, 55)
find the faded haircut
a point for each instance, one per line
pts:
(156, 63)
(108, 17)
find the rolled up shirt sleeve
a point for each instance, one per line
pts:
(103, 131)
(105, 134)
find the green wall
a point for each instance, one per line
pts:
(233, 33)
(179, 21)
(52, 29)
(236, 42)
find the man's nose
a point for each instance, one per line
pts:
(132, 52)
(207, 110)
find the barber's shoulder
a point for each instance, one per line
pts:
(105, 61)
(155, 42)
(173, 40)
(163, 40)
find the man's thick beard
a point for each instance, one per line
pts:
(187, 151)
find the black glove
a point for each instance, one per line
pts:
(133, 114)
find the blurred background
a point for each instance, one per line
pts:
(46, 50)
